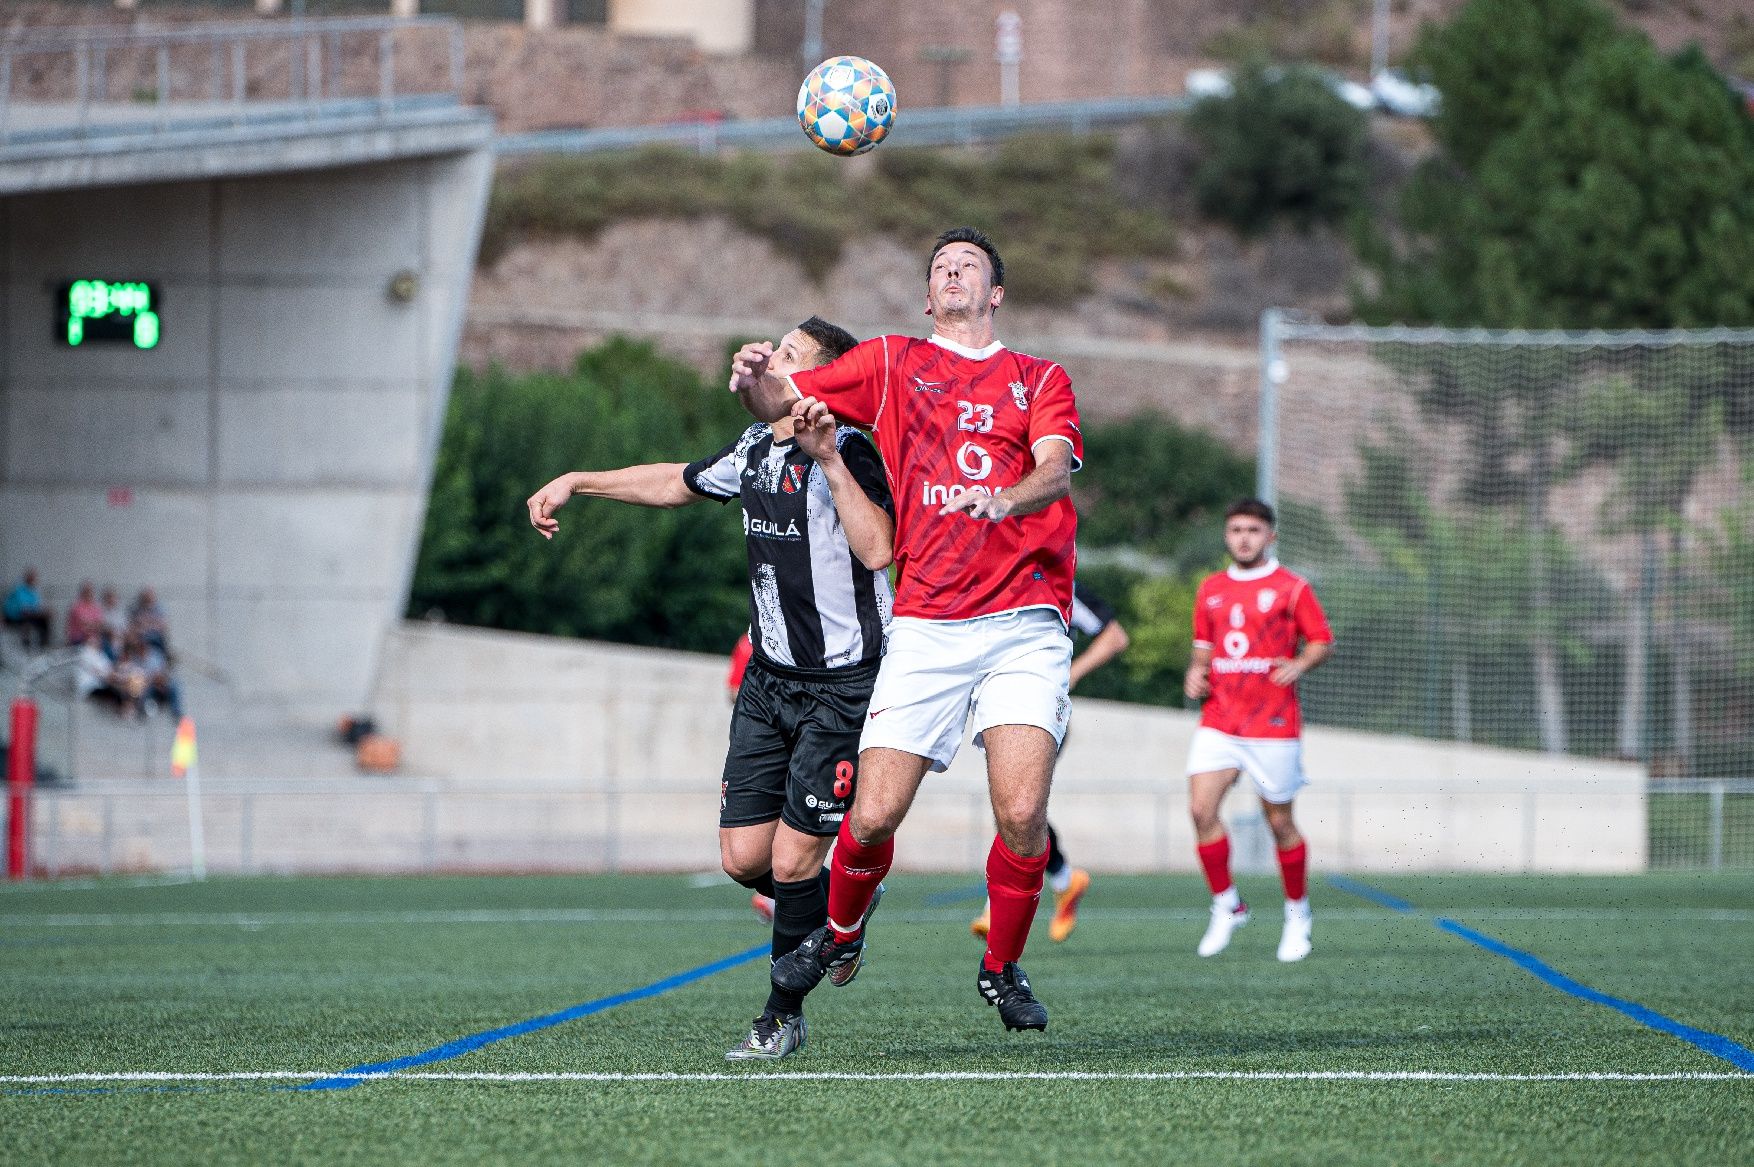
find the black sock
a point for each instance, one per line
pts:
(798, 910)
(1056, 857)
(762, 883)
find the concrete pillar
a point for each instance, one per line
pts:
(404, 8)
(541, 13)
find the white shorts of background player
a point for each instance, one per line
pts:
(1274, 764)
(1011, 668)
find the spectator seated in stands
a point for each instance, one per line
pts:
(115, 619)
(24, 610)
(147, 621)
(130, 680)
(95, 671)
(85, 620)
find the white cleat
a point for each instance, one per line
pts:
(1294, 943)
(1225, 922)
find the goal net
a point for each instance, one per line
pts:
(1537, 540)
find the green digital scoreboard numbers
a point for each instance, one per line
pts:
(98, 311)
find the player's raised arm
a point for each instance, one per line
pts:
(656, 484)
(870, 529)
(767, 396)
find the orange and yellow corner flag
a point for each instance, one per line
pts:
(183, 749)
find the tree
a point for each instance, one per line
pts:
(1582, 181)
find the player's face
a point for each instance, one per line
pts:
(1247, 539)
(960, 284)
(795, 351)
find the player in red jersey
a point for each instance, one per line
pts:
(1257, 629)
(979, 443)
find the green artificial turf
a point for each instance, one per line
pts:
(320, 975)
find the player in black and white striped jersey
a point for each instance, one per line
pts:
(818, 522)
(1091, 616)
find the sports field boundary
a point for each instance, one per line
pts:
(1715, 1044)
(611, 1077)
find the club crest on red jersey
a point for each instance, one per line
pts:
(1020, 395)
(1264, 599)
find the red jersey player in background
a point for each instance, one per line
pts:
(1257, 629)
(979, 443)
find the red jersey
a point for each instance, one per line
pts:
(948, 420)
(1249, 619)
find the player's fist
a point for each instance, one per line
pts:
(546, 501)
(749, 363)
(1285, 672)
(1196, 685)
(814, 428)
(978, 505)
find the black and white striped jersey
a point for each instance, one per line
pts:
(813, 605)
(1090, 612)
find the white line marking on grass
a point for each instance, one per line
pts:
(898, 1076)
(733, 915)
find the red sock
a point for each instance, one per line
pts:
(1014, 888)
(1215, 858)
(1294, 869)
(854, 874)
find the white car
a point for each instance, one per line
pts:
(1400, 95)
(1208, 83)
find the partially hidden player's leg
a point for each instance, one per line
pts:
(1206, 791)
(1293, 853)
(1020, 766)
(863, 851)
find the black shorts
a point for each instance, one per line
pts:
(794, 750)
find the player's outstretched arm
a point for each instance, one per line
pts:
(656, 484)
(1103, 647)
(766, 396)
(870, 530)
(1049, 482)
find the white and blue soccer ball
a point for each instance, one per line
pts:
(846, 105)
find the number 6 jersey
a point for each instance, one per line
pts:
(948, 420)
(1250, 620)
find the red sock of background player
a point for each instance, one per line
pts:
(854, 873)
(1294, 870)
(1215, 860)
(1013, 889)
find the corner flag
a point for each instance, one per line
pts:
(183, 749)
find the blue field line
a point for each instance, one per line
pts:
(1714, 1044)
(1721, 1047)
(1364, 891)
(350, 1078)
(960, 895)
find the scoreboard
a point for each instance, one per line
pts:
(98, 311)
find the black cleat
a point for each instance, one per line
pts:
(1009, 990)
(803, 968)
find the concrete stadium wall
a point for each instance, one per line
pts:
(531, 753)
(479, 709)
(266, 466)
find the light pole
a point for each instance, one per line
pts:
(812, 48)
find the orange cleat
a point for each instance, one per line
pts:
(1066, 905)
(983, 923)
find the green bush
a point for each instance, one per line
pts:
(668, 578)
(1282, 147)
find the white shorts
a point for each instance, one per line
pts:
(1275, 764)
(1013, 668)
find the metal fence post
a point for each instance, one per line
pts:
(1716, 859)
(429, 832)
(1272, 373)
(163, 91)
(386, 68)
(106, 854)
(82, 71)
(5, 91)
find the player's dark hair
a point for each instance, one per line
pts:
(1252, 508)
(979, 239)
(832, 341)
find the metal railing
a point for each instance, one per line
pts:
(57, 83)
(944, 126)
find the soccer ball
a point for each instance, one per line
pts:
(846, 105)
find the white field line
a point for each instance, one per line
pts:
(732, 915)
(898, 1076)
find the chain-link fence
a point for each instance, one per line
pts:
(1536, 540)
